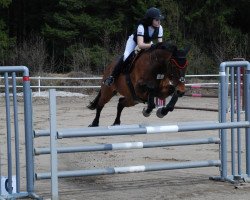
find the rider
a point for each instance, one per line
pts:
(148, 29)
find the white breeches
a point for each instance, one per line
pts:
(130, 46)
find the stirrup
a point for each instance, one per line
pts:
(109, 81)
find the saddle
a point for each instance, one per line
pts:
(129, 62)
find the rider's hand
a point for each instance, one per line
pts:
(152, 46)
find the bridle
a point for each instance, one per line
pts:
(173, 62)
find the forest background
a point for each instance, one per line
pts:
(61, 36)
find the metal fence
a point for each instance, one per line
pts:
(39, 83)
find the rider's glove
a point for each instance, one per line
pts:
(152, 46)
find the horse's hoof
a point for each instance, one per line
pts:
(115, 124)
(145, 113)
(91, 106)
(159, 114)
(92, 125)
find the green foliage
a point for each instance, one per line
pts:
(88, 59)
(84, 35)
(5, 41)
(99, 58)
(5, 3)
(200, 62)
(59, 34)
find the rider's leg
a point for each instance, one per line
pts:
(130, 46)
(115, 73)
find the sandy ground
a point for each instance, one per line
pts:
(190, 184)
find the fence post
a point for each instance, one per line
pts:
(39, 86)
(53, 145)
(223, 133)
(247, 117)
(27, 129)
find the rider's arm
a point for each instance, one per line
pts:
(160, 34)
(141, 44)
(140, 38)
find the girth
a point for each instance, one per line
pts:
(128, 67)
(131, 88)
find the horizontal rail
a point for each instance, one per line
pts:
(200, 95)
(59, 78)
(60, 87)
(89, 132)
(200, 84)
(99, 77)
(44, 133)
(128, 145)
(132, 169)
(40, 80)
(197, 108)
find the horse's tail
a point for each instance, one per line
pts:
(93, 104)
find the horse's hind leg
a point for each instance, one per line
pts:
(120, 107)
(97, 116)
(98, 103)
(93, 104)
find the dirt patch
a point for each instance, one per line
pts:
(190, 184)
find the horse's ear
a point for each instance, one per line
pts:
(187, 49)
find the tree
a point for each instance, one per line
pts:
(4, 40)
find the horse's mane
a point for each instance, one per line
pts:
(168, 46)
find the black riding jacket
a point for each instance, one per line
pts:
(146, 36)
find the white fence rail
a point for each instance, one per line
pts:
(38, 82)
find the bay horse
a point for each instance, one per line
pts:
(158, 72)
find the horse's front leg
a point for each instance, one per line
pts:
(151, 105)
(179, 92)
(161, 112)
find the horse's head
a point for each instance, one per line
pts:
(175, 59)
(174, 63)
(166, 65)
(179, 61)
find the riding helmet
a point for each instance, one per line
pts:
(153, 13)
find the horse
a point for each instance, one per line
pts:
(156, 72)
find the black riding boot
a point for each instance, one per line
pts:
(116, 71)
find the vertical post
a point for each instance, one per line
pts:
(238, 110)
(223, 135)
(28, 131)
(53, 145)
(247, 117)
(8, 125)
(16, 126)
(0, 171)
(232, 120)
(39, 85)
